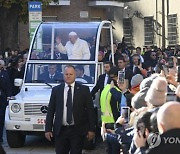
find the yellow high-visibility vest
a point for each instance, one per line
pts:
(106, 111)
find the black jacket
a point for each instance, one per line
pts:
(46, 78)
(5, 88)
(167, 146)
(87, 78)
(108, 57)
(128, 76)
(99, 85)
(83, 110)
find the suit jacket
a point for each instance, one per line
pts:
(57, 77)
(128, 76)
(136, 70)
(5, 88)
(83, 110)
(99, 85)
(87, 78)
(167, 147)
(117, 55)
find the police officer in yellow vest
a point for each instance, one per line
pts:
(108, 114)
(110, 106)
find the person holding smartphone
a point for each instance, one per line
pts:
(117, 103)
(136, 66)
(142, 131)
(110, 101)
(128, 72)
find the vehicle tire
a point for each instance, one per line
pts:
(15, 139)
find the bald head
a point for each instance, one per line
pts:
(168, 116)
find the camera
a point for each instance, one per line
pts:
(125, 113)
(121, 76)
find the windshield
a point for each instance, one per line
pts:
(72, 41)
(53, 73)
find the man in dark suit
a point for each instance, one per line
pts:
(108, 55)
(80, 74)
(52, 75)
(71, 115)
(5, 93)
(137, 66)
(103, 79)
(128, 72)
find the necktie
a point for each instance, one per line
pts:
(69, 106)
(51, 77)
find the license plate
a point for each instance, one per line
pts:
(37, 126)
(39, 121)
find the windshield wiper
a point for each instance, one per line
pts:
(49, 84)
(36, 81)
(40, 81)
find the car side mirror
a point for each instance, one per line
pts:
(18, 82)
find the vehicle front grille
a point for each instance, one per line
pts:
(35, 109)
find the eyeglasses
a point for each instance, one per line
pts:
(153, 55)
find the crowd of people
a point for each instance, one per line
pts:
(12, 65)
(149, 75)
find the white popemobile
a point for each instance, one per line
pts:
(26, 112)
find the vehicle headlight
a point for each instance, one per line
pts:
(15, 108)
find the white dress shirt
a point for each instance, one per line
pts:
(106, 80)
(51, 76)
(134, 68)
(142, 59)
(66, 88)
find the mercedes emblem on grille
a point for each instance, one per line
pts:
(44, 109)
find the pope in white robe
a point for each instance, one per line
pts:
(75, 48)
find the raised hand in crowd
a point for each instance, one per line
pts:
(139, 139)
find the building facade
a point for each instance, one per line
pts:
(138, 21)
(142, 23)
